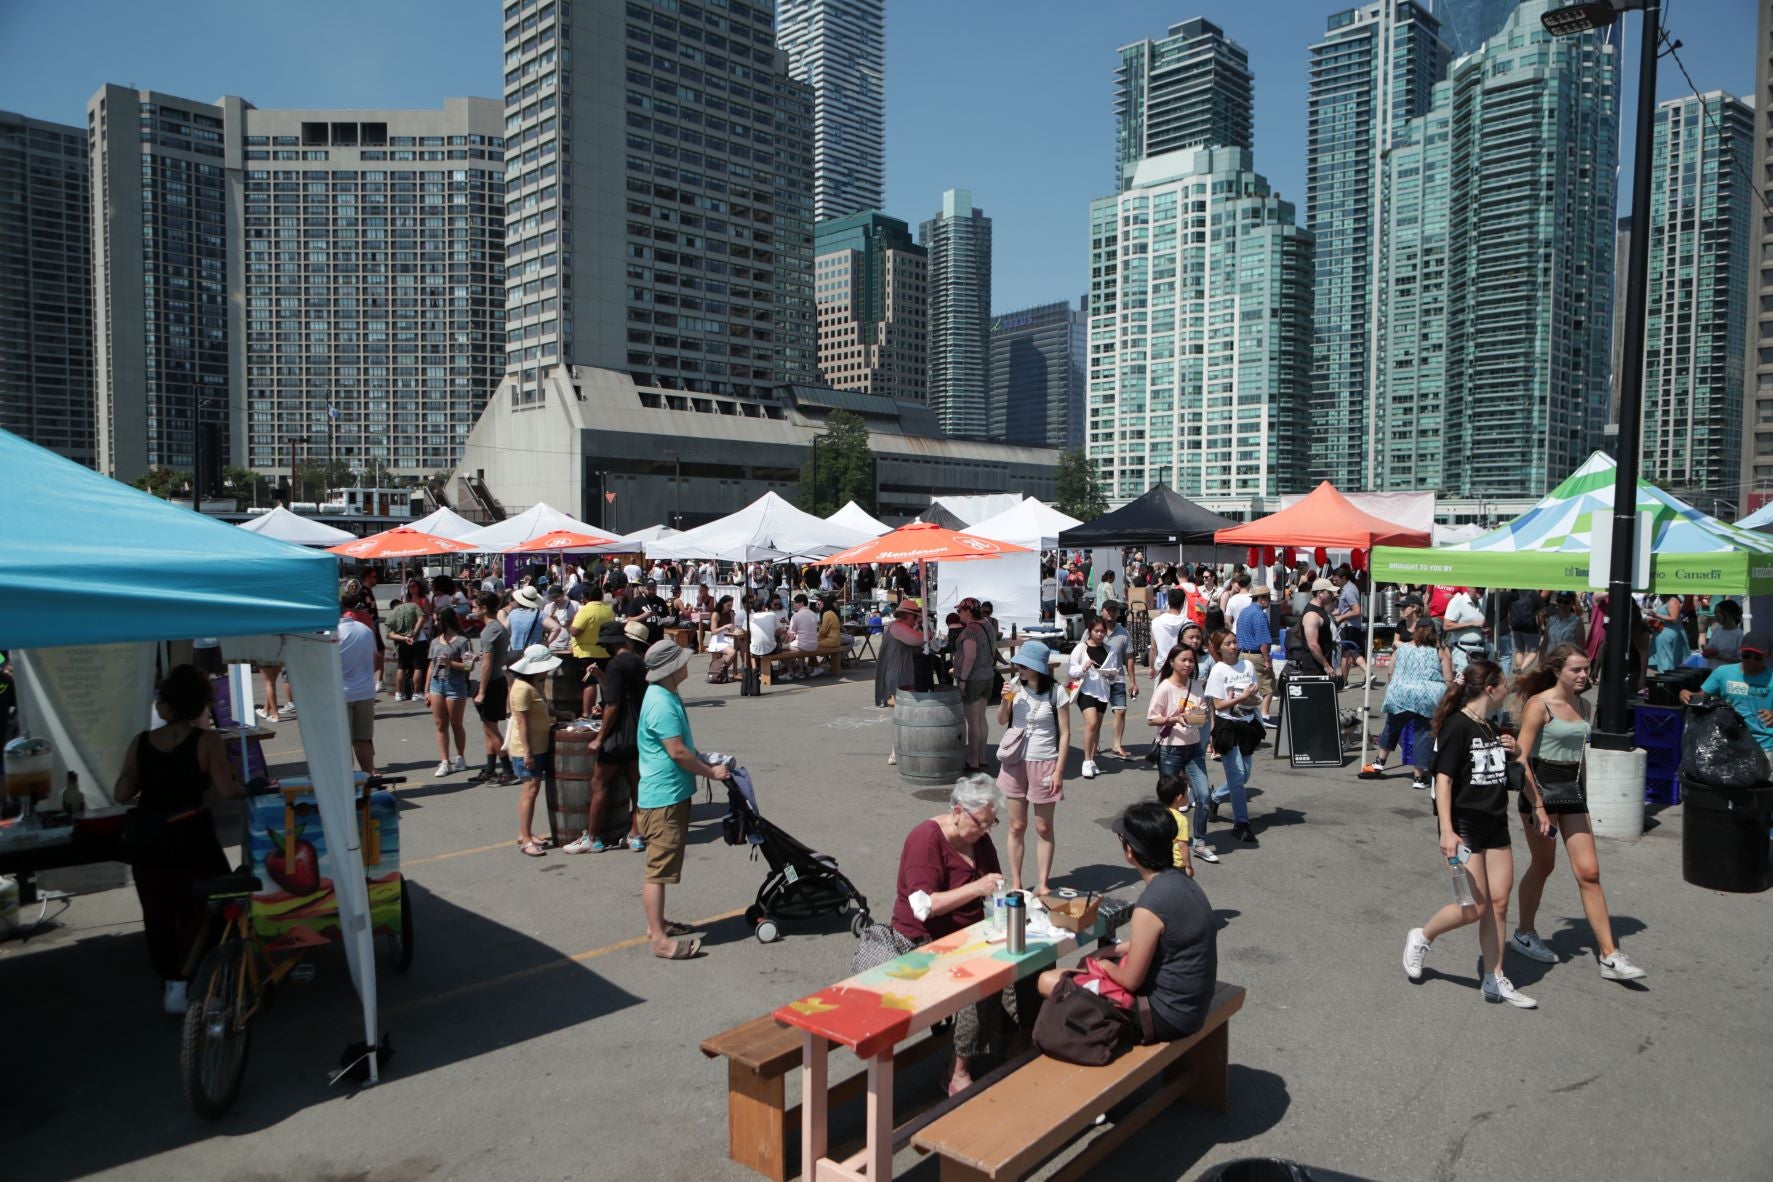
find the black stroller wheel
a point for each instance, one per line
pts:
(859, 923)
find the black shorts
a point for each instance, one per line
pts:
(572, 669)
(1482, 831)
(1090, 702)
(491, 707)
(412, 655)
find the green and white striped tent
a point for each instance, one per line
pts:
(1547, 547)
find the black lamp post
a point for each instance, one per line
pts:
(1613, 729)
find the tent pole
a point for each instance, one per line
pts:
(1367, 684)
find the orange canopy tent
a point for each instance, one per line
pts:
(561, 539)
(922, 542)
(1326, 518)
(400, 542)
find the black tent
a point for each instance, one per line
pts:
(1162, 516)
(943, 516)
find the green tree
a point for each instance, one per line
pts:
(1080, 488)
(839, 468)
(164, 482)
(248, 486)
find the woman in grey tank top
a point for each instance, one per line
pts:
(1554, 731)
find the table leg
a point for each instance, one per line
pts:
(880, 1116)
(814, 1092)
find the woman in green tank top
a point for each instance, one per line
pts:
(1554, 732)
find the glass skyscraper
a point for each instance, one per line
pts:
(658, 197)
(838, 47)
(46, 375)
(1190, 88)
(958, 239)
(1498, 279)
(1374, 70)
(871, 285)
(1199, 332)
(1757, 383)
(1695, 346)
(1038, 359)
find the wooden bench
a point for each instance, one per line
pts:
(1012, 1127)
(762, 1130)
(830, 654)
(684, 638)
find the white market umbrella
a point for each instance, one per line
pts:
(766, 530)
(853, 516)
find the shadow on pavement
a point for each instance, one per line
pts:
(99, 1049)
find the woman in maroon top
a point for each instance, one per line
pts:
(951, 859)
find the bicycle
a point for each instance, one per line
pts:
(234, 980)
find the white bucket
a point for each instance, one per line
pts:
(1616, 792)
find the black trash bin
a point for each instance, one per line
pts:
(1724, 836)
(1272, 1169)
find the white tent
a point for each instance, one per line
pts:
(767, 529)
(853, 516)
(295, 529)
(1011, 584)
(446, 523)
(1449, 535)
(974, 509)
(632, 543)
(530, 524)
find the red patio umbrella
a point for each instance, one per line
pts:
(561, 539)
(400, 542)
(922, 542)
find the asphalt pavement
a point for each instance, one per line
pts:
(537, 1038)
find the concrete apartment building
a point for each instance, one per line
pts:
(959, 241)
(871, 286)
(838, 48)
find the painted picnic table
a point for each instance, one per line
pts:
(874, 1011)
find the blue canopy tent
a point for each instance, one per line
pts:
(95, 573)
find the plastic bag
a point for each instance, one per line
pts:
(1717, 749)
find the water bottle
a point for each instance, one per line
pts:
(1016, 922)
(1461, 882)
(997, 909)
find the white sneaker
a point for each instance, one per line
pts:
(1089, 769)
(378, 686)
(460, 764)
(173, 998)
(579, 845)
(1529, 945)
(1501, 989)
(266, 716)
(443, 769)
(287, 714)
(892, 758)
(1203, 851)
(1416, 947)
(1618, 968)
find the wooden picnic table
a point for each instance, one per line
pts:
(874, 1011)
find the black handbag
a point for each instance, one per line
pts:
(1078, 1026)
(1563, 784)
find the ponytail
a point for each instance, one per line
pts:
(1480, 674)
(1544, 675)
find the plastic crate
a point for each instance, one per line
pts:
(1658, 728)
(1662, 791)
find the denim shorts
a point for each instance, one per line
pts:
(1117, 695)
(533, 766)
(449, 688)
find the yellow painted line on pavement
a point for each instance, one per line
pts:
(536, 970)
(479, 849)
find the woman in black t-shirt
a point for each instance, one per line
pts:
(1471, 802)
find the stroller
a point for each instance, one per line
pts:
(801, 884)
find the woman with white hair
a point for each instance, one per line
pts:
(950, 864)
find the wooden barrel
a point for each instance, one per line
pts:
(566, 692)
(929, 735)
(568, 786)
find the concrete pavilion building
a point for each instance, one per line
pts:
(305, 284)
(1190, 87)
(1498, 278)
(1700, 218)
(958, 239)
(1372, 72)
(46, 345)
(1200, 334)
(659, 198)
(838, 48)
(1039, 359)
(871, 286)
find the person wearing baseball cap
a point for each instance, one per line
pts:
(669, 765)
(1312, 639)
(616, 749)
(1747, 686)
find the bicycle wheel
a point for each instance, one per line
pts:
(212, 1052)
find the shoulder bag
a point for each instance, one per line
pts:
(1563, 784)
(1078, 1026)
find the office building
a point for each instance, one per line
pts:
(838, 47)
(160, 280)
(1191, 87)
(658, 197)
(1038, 364)
(1374, 70)
(1757, 381)
(1200, 333)
(959, 243)
(871, 285)
(312, 285)
(623, 457)
(374, 333)
(1498, 279)
(46, 377)
(1694, 345)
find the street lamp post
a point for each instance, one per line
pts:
(1613, 725)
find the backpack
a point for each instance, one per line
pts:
(1523, 613)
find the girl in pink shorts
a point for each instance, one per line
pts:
(1032, 756)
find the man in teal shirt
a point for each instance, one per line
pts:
(1748, 687)
(669, 766)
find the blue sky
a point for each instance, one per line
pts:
(1012, 99)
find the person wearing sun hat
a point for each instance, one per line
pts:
(901, 650)
(1033, 775)
(530, 742)
(669, 766)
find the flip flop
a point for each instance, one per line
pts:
(681, 950)
(677, 929)
(532, 849)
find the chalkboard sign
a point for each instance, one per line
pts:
(1311, 724)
